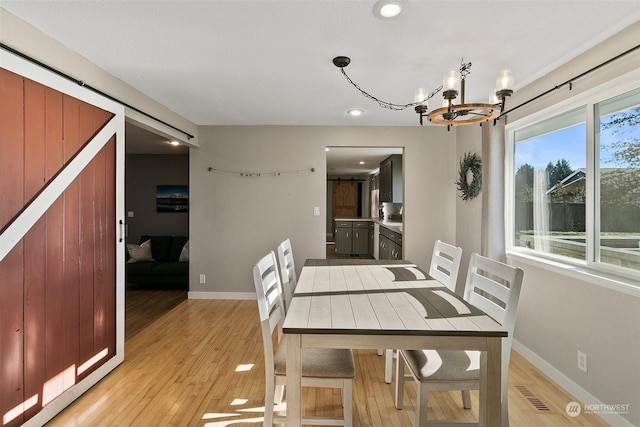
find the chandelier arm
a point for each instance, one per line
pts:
(385, 104)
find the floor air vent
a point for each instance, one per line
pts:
(532, 398)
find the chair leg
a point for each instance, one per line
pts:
(466, 399)
(399, 381)
(347, 403)
(388, 366)
(421, 404)
(268, 403)
(505, 411)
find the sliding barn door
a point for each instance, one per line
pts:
(61, 262)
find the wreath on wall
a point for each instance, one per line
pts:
(469, 176)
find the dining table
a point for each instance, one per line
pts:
(354, 303)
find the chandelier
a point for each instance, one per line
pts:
(454, 112)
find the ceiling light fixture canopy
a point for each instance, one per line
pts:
(452, 113)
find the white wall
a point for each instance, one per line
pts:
(469, 212)
(558, 314)
(235, 220)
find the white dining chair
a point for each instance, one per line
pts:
(330, 368)
(445, 263)
(287, 271)
(494, 288)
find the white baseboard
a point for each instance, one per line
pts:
(569, 385)
(221, 295)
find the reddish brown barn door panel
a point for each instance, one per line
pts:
(58, 283)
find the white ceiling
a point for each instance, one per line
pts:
(269, 62)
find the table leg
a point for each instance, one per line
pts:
(294, 381)
(491, 384)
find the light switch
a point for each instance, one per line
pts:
(316, 211)
(129, 214)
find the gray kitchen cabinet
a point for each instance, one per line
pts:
(390, 244)
(360, 238)
(371, 238)
(353, 238)
(344, 238)
(390, 179)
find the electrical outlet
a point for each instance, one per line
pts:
(582, 361)
(202, 278)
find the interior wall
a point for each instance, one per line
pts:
(558, 314)
(145, 172)
(236, 219)
(468, 212)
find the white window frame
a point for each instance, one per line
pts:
(591, 269)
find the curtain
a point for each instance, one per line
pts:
(492, 242)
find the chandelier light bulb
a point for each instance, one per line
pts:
(505, 80)
(450, 81)
(422, 94)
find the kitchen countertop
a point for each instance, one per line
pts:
(391, 225)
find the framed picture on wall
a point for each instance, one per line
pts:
(172, 198)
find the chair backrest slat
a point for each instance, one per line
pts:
(493, 286)
(287, 271)
(268, 292)
(445, 263)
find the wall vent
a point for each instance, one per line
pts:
(532, 398)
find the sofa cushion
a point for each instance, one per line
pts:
(184, 254)
(139, 253)
(170, 268)
(160, 247)
(176, 247)
(140, 268)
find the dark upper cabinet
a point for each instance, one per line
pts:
(390, 184)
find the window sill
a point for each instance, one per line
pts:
(614, 282)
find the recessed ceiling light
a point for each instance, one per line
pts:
(355, 112)
(361, 162)
(388, 9)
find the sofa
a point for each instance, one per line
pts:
(158, 260)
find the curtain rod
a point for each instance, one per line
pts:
(570, 81)
(83, 84)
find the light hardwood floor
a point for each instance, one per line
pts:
(201, 364)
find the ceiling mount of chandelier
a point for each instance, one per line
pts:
(452, 113)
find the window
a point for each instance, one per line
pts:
(618, 145)
(550, 171)
(574, 191)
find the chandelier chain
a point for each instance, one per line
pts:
(385, 104)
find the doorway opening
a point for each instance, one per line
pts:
(152, 164)
(353, 184)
